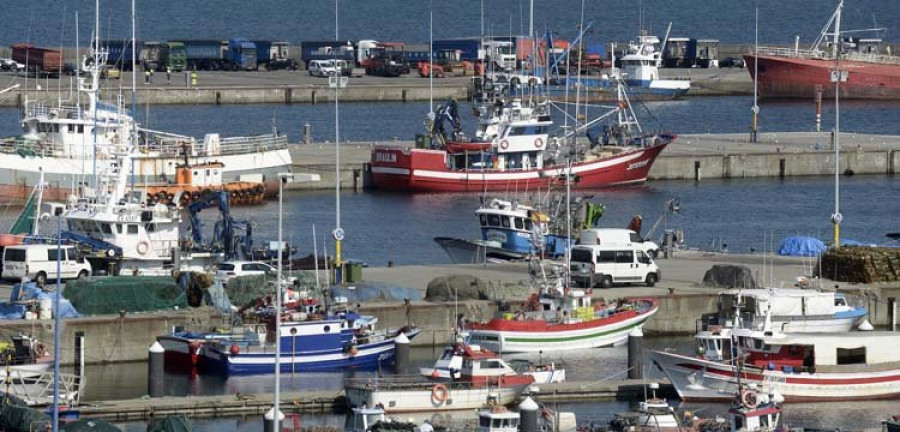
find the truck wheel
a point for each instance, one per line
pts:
(606, 282)
(83, 274)
(40, 278)
(653, 253)
(651, 279)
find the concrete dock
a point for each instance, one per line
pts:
(692, 157)
(327, 401)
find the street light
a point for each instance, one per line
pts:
(276, 417)
(57, 211)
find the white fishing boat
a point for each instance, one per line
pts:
(801, 367)
(72, 142)
(485, 379)
(450, 365)
(786, 310)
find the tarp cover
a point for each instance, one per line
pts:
(446, 288)
(129, 293)
(729, 276)
(172, 423)
(801, 246)
(31, 291)
(364, 291)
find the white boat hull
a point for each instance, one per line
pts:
(701, 380)
(584, 338)
(419, 400)
(540, 377)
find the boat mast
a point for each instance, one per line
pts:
(837, 76)
(338, 83)
(755, 110)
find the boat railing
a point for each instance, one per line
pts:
(32, 147)
(37, 109)
(38, 389)
(174, 145)
(826, 55)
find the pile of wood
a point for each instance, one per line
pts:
(861, 264)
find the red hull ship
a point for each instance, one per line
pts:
(796, 73)
(798, 77)
(422, 170)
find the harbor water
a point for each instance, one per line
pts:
(52, 23)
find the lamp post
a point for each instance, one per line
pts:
(276, 418)
(57, 211)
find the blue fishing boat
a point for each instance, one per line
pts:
(515, 231)
(340, 341)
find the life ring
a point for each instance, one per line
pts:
(504, 144)
(40, 350)
(748, 398)
(143, 248)
(538, 143)
(440, 393)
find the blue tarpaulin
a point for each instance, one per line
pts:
(801, 246)
(31, 291)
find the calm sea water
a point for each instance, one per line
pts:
(52, 22)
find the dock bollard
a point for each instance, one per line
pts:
(307, 133)
(528, 415)
(269, 420)
(636, 354)
(401, 353)
(156, 370)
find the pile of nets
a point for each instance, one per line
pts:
(21, 418)
(365, 291)
(90, 425)
(243, 290)
(125, 293)
(172, 423)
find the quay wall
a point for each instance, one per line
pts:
(777, 164)
(269, 94)
(111, 339)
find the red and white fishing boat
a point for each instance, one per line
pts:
(801, 367)
(513, 149)
(485, 380)
(795, 73)
(563, 319)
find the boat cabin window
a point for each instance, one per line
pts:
(326, 329)
(529, 225)
(505, 221)
(764, 421)
(484, 422)
(851, 356)
(518, 223)
(528, 130)
(493, 220)
(625, 257)
(105, 228)
(132, 229)
(150, 227)
(491, 364)
(840, 301)
(119, 228)
(482, 219)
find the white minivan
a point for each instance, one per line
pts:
(619, 237)
(38, 263)
(595, 265)
(324, 68)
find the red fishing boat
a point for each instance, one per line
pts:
(514, 149)
(795, 73)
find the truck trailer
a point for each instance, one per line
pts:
(38, 61)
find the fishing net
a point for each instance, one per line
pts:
(172, 423)
(243, 290)
(21, 418)
(91, 425)
(125, 293)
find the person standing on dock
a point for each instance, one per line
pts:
(168, 75)
(193, 78)
(151, 76)
(146, 76)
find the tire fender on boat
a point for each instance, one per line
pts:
(538, 143)
(440, 393)
(504, 144)
(749, 399)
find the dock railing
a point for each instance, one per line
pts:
(826, 55)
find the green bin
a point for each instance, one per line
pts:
(423, 141)
(352, 272)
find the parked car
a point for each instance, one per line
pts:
(39, 263)
(324, 68)
(232, 269)
(69, 69)
(731, 62)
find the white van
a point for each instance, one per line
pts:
(324, 68)
(38, 263)
(593, 265)
(618, 237)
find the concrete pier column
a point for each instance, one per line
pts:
(892, 313)
(269, 420)
(79, 355)
(307, 133)
(697, 170)
(312, 98)
(288, 96)
(528, 415)
(156, 370)
(401, 353)
(636, 354)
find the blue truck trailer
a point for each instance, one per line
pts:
(120, 53)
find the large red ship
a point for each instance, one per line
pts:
(794, 73)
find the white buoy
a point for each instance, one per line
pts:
(528, 415)
(269, 420)
(865, 326)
